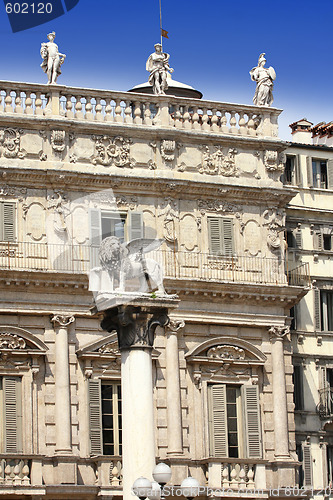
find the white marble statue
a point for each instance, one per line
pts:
(158, 66)
(124, 261)
(264, 78)
(52, 58)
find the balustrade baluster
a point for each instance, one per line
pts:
(242, 477)
(2, 471)
(18, 103)
(233, 123)
(187, 119)
(195, 119)
(128, 112)
(205, 117)
(242, 124)
(98, 110)
(78, 108)
(115, 479)
(89, 107)
(8, 103)
(69, 107)
(137, 113)
(225, 475)
(38, 104)
(25, 473)
(108, 112)
(16, 472)
(147, 114)
(28, 104)
(8, 473)
(178, 117)
(117, 112)
(233, 476)
(214, 121)
(250, 476)
(224, 121)
(251, 126)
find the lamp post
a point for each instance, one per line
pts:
(143, 488)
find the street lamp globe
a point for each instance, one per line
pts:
(142, 487)
(190, 487)
(155, 492)
(162, 473)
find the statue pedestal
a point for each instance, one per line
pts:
(135, 323)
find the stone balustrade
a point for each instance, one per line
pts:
(134, 109)
(14, 472)
(236, 474)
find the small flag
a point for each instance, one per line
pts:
(164, 33)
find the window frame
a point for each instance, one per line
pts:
(13, 224)
(221, 237)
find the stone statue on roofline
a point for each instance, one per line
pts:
(264, 78)
(52, 59)
(158, 66)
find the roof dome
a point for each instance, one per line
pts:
(175, 88)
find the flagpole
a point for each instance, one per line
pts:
(161, 23)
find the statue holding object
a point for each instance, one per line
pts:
(52, 59)
(158, 66)
(264, 78)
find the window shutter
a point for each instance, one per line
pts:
(309, 171)
(307, 465)
(227, 236)
(318, 240)
(8, 221)
(135, 229)
(214, 235)
(323, 378)
(298, 170)
(317, 316)
(298, 237)
(218, 418)
(250, 398)
(330, 173)
(95, 417)
(95, 235)
(12, 414)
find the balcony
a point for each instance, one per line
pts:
(238, 475)
(76, 259)
(325, 405)
(136, 110)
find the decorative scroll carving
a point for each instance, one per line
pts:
(110, 348)
(228, 352)
(58, 140)
(175, 325)
(274, 221)
(274, 161)
(72, 158)
(61, 320)
(168, 149)
(13, 191)
(11, 341)
(135, 326)
(152, 165)
(170, 215)
(107, 198)
(42, 156)
(10, 139)
(226, 369)
(219, 164)
(112, 151)
(218, 206)
(278, 331)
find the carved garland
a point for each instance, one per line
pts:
(112, 151)
(219, 164)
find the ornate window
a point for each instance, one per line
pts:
(7, 221)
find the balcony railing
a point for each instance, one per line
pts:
(79, 259)
(14, 472)
(325, 405)
(134, 109)
(236, 474)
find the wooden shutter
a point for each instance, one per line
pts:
(307, 465)
(12, 404)
(298, 238)
(227, 231)
(8, 219)
(250, 399)
(95, 417)
(95, 235)
(318, 240)
(309, 171)
(298, 387)
(317, 315)
(135, 225)
(214, 235)
(298, 178)
(330, 174)
(218, 421)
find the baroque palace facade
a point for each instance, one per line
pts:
(206, 177)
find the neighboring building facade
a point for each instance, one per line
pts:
(205, 176)
(309, 167)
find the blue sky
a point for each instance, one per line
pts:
(213, 45)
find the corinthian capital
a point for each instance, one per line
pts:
(278, 332)
(175, 325)
(60, 320)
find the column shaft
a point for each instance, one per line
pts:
(174, 415)
(280, 400)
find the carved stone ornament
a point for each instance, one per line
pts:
(110, 348)
(218, 206)
(112, 151)
(56, 202)
(10, 142)
(274, 161)
(58, 140)
(274, 221)
(13, 191)
(217, 163)
(10, 341)
(279, 331)
(61, 320)
(135, 325)
(169, 212)
(108, 199)
(168, 149)
(175, 325)
(228, 352)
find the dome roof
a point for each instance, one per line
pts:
(175, 88)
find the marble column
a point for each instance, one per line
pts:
(62, 385)
(174, 411)
(135, 326)
(280, 407)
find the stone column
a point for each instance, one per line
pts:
(280, 407)
(174, 411)
(135, 326)
(62, 386)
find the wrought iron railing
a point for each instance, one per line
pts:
(325, 405)
(79, 259)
